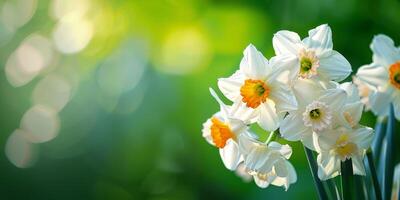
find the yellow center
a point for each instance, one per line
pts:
(254, 92)
(315, 114)
(305, 65)
(344, 148)
(394, 75)
(220, 133)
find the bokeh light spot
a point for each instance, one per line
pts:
(41, 124)
(184, 51)
(33, 55)
(20, 151)
(72, 36)
(52, 91)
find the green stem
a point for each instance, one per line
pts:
(388, 156)
(347, 179)
(314, 172)
(378, 193)
(271, 137)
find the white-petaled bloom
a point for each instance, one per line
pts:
(318, 110)
(314, 55)
(267, 163)
(257, 93)
(383, 76)
(339, 144)
(222, 131)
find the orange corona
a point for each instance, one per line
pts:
(220, 133)
(254, 92)
(394, 74)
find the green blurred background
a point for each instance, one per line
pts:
(123, 89)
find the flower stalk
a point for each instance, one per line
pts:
(347, 179)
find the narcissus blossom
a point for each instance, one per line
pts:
(268, 163)
(222, 131)
(383, 76)
(256, 91)
(315, 57)
(339, 144)
(318, 110)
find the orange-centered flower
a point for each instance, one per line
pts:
(220, 133)
(394, 75)
(254, 92)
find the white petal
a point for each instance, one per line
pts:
(320, 38)
(237, 126)
(241, 111)
(292, 127)
(309, 140)
(334, 66)
(380, 102)
(284, 150)
(306, 91)
(224, 108)
(261, 183)
(284, 68)
(355, 110)
(246, 144)
(373, 75)
(280, 169)
(292, 175)
(268, 119)
(334, 98)
(358, 165)
(207, 131)
(385, 52)
(283, 97)
(362, 137)
(230, 154)
(286, 42)
(327, 139)
(254, 64)
(351, 90)
(230, 87)
(328, 166)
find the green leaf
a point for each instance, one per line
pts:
(374, 177)
(388, 150)
(314, 172)
(380, 130)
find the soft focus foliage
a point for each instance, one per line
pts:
(114, 92)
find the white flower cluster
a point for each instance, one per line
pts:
(297, 92)
(379, 82)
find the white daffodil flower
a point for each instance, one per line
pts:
(339, 144)
(222, 131)
(318, 109)
(258, 94)
(267, 163)
(314, 55)
(383, 76)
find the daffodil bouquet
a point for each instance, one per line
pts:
(297, 96)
